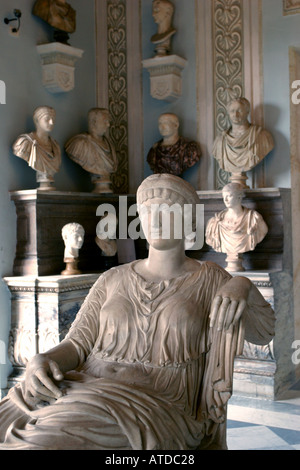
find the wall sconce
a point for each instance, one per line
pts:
(17, 17)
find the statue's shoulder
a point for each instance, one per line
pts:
(23, 143)
(215, 269)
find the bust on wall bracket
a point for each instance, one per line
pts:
(58, 66)
(165, 68)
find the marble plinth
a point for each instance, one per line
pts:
(58, 66)
(255, 371)
(42, 310)
(165, 76)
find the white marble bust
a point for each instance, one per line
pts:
(73, 237)
(236, 229)
(162, 12)
(243, 145)
(39, 149)
(94, 151)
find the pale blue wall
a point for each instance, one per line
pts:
(20, 69)
(185, 107)
(279, 33)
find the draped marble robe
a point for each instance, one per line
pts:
(152, 373)
(92, 155)
(36, 155)
(238, 237)
(173, 159)
(242, 153)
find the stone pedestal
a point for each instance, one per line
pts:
(58, 66)
(165, 76)
(255, 371)
(42, 310)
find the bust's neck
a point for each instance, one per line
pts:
(71, 252)
(239, 129)
(171, 140)
(42, 136)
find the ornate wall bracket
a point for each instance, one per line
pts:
(58, 66)
(165, 76)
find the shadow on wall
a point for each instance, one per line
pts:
(278, 161)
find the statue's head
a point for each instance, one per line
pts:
(98, 120)
(233, 194)
(44, 118)
(73, 235)
(238, 110)
(168, 124)
(162, 10)
(176, 200)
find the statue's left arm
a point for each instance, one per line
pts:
(238, 311)
(240, 299)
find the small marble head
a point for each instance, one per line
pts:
(73, 236)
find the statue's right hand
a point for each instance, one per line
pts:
(40, 377)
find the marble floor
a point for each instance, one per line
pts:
(255, 424)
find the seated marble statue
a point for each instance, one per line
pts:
(243, 145)
(236, 229)
(173, 154)
(162, 12)
(94, 151)
(38, 148)
(148, 361)
(57, 13)
(73, 237)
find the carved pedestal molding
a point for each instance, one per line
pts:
(165, 76)
(58, 66)
(291, 7)
(43, 309)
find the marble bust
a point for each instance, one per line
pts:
(148, 361)
(59, 14)
(94, 151)
(73, 237)
(244, 145)
(173, 154)
(162, 12)
(236, 229)
(39, 149)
